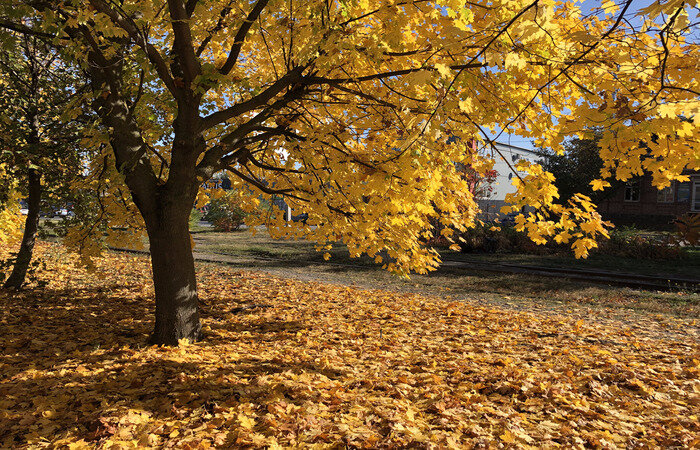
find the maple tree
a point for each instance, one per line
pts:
(344, 108)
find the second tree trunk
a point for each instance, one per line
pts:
(26, 249)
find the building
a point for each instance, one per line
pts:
(505, 159)
(639, 202)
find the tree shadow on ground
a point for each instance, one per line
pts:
(475, 280)
(57, 325)
(468, 280)
(72, 361)
(94, 404)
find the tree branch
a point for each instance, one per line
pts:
(19, 28)
(218, 27)
(210, 163)
(383, 75)
(239, 39)
(189, 7)
(260, 185)
(256, 102)
(128, 25)
(183, 40)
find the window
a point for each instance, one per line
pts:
(632, 190)
(683, 192)
(665, 195)
(695, 206)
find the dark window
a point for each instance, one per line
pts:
(665, 195)
(683, 192)
(632, 190)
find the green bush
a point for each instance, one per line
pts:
(497, 238)
(225, 212)
(626, 242)
(629, 242)
(195, 216)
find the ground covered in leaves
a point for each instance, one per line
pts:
(301, 364)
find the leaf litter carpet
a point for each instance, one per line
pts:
(300, 364)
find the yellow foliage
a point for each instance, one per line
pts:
(11, 221)
(382, 87)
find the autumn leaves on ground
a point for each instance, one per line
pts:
(299, 364)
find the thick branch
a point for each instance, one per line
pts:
(259, 184)
(19, 28)
(183, 40)
(239, 39)
(210, 163)
(189, 7)
(383, 75)
(256, 102)
(128, 25)
(264, 166)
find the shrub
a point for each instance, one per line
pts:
(195, 216)
(225, 212)
(497, 238)
(688, 229)
(629, 242)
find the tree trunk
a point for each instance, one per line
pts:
(177, 309)
(26, 249)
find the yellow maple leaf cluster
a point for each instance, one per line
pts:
(360, 138)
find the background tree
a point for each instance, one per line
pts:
(576, 168)
(38, 147)
(224, 211)
(344, 107)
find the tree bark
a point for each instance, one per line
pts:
(174, 278)
(26, 249)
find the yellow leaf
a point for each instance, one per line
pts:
(245, 421)
(609, 6)
(466, 105)
(599, 185)
(444, 70)
(508, 437)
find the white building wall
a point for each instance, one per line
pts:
(504, 164)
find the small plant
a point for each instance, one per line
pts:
(225, 212)
(195, 216)
(688, 229)
(497, 237)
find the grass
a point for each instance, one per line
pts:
(244, 243)
(687, 267)
(298, 259)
